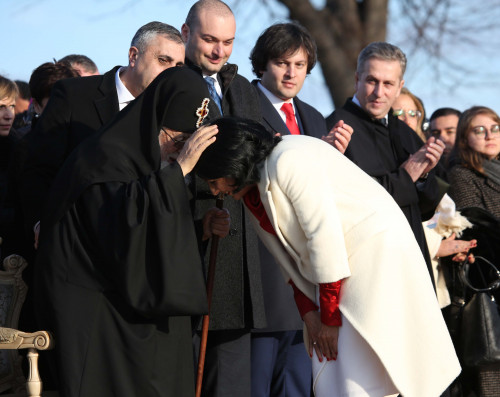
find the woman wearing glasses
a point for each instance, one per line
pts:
(475, 181)
(408, 108)
(475, 187)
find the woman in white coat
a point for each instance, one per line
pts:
(329, 224)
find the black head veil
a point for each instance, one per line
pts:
(127, 148)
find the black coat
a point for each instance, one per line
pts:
(380, 151)
(237, 301)
(10, 230)
(77, 108)
(468, 188)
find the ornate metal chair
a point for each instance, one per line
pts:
(12, 295)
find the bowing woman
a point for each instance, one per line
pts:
(118, 272)
(373, 323)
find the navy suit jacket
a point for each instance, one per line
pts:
(311, 122)
(281, 312)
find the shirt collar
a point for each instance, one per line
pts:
(275, 101)
(217, 86)
(356, 101)
(124, 95)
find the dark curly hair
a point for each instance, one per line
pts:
(46, 75)
(241, 145)
(281, 41)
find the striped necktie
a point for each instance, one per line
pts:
(213, 92)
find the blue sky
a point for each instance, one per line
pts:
(36, 31)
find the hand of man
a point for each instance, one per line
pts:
(425, 159)
(194, 147)
(416, 164)
(322, 338)
(339, 136)
(216, 222)
(435, 148)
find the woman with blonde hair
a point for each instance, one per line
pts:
(8, 139)
(8, 96)
(410, 109)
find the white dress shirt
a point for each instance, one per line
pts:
(278, 102)
(124, 95)
(217, 86)
(356, 101)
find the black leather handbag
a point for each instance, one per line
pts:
(480, 326)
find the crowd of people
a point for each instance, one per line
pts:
(338, 235)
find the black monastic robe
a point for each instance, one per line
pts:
(119, 274)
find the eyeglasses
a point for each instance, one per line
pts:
(178, 142)
(480, 131)
(410, 113)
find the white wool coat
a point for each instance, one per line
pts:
(335, 222)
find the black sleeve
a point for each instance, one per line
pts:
(46, 150)
(141, 238)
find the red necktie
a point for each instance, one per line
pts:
(287, 108)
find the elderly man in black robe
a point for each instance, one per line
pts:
(118, 272)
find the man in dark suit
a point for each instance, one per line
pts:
(79, 107)
(282, 57)
(237, 303)
(385, 147)
(82, 64)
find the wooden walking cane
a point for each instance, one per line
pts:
(206, 318)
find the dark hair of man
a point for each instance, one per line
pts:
(24, 89)
(149, 31)
(238, 151)
(45, 76)
(281, 41)
(84, 61)
(445, 112)
(218, 6)
(8, 89)
(383, 51)
(469, 157)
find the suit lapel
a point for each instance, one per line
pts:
(307, 127)
(399, 148)
(107, 105)
(269, 113)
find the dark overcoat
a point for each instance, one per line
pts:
(77, 108)
(380, 151)
(237, 301)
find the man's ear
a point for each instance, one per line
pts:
(356, 79)
(401, 84)
(185, 32)
(133, 52)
